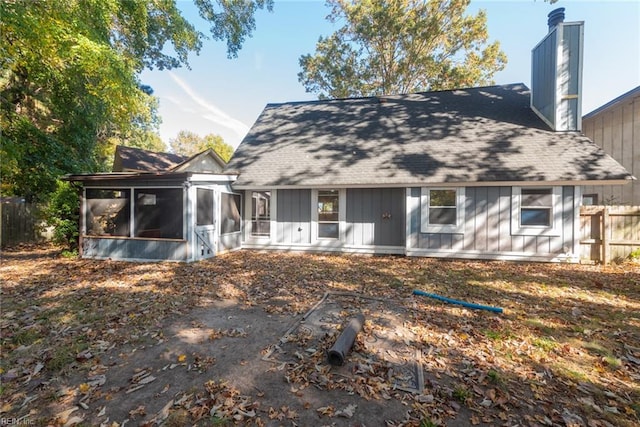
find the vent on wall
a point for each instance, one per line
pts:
(556, 74)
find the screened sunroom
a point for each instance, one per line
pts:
(161, 216)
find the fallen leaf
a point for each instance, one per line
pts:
(347, 412)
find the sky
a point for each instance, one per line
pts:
(225, 96)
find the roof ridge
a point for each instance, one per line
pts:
(395, 95)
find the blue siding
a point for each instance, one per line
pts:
(487, 229)
(543, 76)
(375, 216)
(556, 78)
(134, 249)
(294, 217)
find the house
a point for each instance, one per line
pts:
(483, 173)
(159, 207)
(471, 173)
(615, 127)
(490, 172)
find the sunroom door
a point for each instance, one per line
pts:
(205, 229)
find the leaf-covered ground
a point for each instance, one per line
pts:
(113, 343)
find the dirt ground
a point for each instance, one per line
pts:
(242, 340)
(236, 360)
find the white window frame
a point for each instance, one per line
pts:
(425, 199)
(554, 229)
(342, 215)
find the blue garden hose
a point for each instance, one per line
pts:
(455, 301)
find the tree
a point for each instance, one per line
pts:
(69, 85)
(188, 143)
(401, 46)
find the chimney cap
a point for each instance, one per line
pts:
(556, 16)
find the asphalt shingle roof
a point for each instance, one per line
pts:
(132, 158)
(487, 134)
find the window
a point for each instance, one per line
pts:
(536, 211)
(328, 214)
(442, 210)
(108, 212)
(230, 212)
(261, 213)
(536, 207)
(589, 199)
(204, 206)
(148, 213)
(158, 213)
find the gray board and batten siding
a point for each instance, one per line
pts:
(487, 231)
(374, 217)
(293, 217)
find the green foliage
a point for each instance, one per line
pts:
(635, 255)
(69, 85)
(427, 423)
(545, 344)
(495, 377)
(63, 214)
(189, 143)
(401, 46)
(461, 393)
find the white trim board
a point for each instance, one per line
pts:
(435, 184)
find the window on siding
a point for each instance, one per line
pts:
(442, 210)
(536, 207)
(261, 213)
(537, 211)
(230, 212)
(108, 212)
(442, 207)
(328, 214)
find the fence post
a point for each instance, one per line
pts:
(606, 253)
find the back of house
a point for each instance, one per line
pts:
(490, 172)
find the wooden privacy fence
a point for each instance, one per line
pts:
(609, 232)
(20, 223)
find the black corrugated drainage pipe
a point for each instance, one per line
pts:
(342, 346)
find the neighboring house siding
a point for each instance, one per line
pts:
(487, 228)
(293, 217)
(375, 217)
(617, 130)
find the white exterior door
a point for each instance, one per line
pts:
(205, 229)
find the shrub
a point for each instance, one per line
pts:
(63, 213)
(635, 255)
